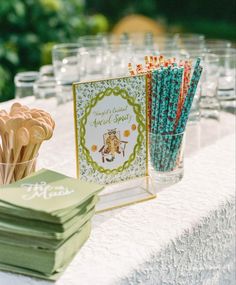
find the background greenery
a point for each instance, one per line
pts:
(29, 28)
(212, 18)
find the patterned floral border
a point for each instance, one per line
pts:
(84, 96)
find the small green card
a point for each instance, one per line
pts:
(111, 129)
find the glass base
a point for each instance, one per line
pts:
(194, 117)
(167, 178)
(210, 114)
(126, 193)
(229, 106)
(64, 93)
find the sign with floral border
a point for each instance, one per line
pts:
(111, 129)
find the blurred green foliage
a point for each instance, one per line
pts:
(215, 19)
(29, 29)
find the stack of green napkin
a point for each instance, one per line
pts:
(44, 220)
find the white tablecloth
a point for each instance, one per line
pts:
(186, 236)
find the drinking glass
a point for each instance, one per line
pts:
(217, 43)
(186, 41)
(11, 172)
(66, 69)
(137, 39)
(117, 58)
(24, 82)
(209, 103)
(227, 65)
(92, 57)
(45, 87)
(166, 157)
(160, 43)
(46, 71)
(139, 53)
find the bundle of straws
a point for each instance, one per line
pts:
(171, 89)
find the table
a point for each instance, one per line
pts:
(185, 236)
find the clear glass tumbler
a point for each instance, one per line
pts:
(46, 71)
(24, 82)
(217, 43)
(92, 57)
(12, 172)
(227, 66)
(195, 112)
(66, 68)
(117, 59)
(45, 88)
(209, 103)
(187, 41)
(166, 157)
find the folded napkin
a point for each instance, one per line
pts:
(44, 220)
(46, 226)
(21, 236)
(47, 193)
(63, 216)
(41, 262)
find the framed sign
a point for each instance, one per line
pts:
(111, 129)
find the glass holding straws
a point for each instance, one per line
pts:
(172, 86)
(166, 156)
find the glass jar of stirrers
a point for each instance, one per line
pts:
(22, 132)
(12, 172)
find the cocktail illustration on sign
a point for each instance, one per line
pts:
(113, 145)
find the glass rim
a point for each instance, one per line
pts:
(214, 43)
(223, 51)
(210, 57)
(190, 36)
(20, 163)
(91, 37)
(47, 79)
(27, 73)
(71, 46)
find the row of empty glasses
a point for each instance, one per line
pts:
(107, 56)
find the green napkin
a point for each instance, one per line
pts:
(46, 262)
(46, 226)
(62, 217)
(48, 192)
(49, 234)
(15, 269)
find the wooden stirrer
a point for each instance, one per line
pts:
(22, 138)
(37, 136)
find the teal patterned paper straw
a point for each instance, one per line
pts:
(157, 80)
(164, 99)
(174, 97)
(162, 78)
(189, 97)
(185, 113)
(169, 85)
(155, 98)
(160, 87)
(176, 143)
(176, 84)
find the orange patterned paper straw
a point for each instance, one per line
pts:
(184, 87)
(131, 70)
